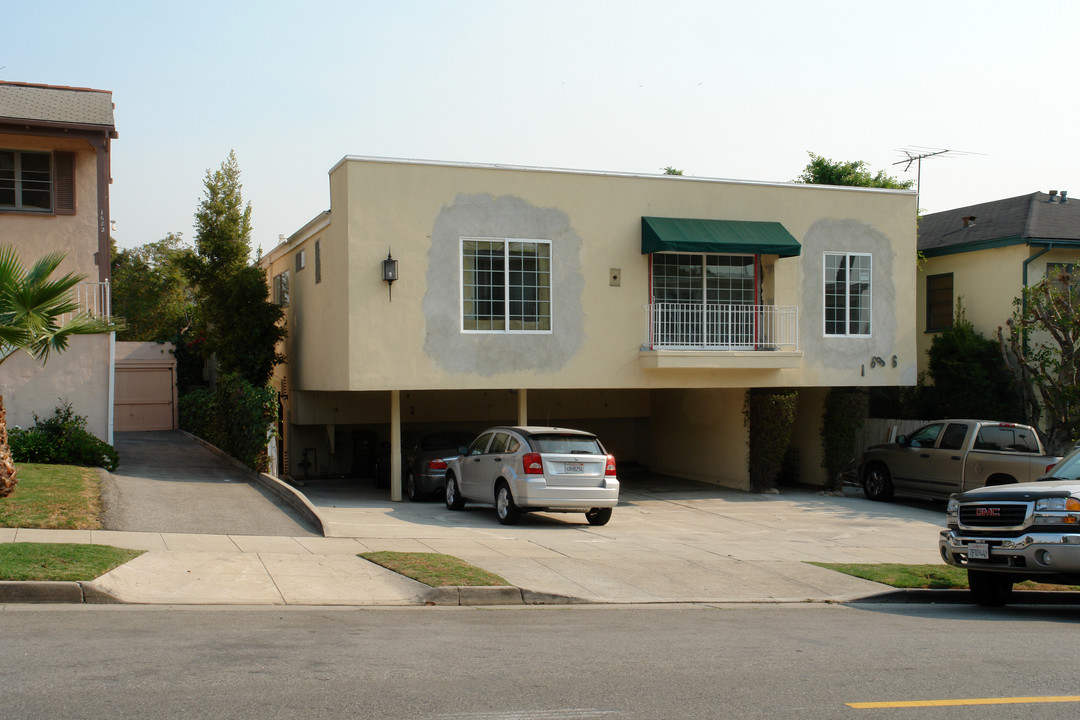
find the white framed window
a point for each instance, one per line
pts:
(848, 294)
(505, 285)
(301, 260)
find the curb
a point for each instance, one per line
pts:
(466, 595)
(49, 591)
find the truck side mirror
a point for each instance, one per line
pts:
(901, 440)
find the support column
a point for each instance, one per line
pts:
(523, 407)
(395, 446)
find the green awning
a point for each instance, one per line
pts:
(716, 236)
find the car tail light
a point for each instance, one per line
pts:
(609, 469)
(437, 464)
(533, 464)
(1049, 468)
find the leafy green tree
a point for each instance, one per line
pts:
(823, 171)
(37, 316)
(970, 377)
(1040, 346)
(240, 324)
(669, 170)
(150, 290)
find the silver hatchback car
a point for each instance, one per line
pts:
(517, 469)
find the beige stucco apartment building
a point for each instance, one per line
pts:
(54, 195)
(639, 307)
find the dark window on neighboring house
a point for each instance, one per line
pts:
(318, 262)
(37, 181)
(281, 289)
(939, 302)
(301, 260)
(1060, 274)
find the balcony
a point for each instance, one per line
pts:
(92, 297)
(696, 335)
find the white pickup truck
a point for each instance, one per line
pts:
(1010, 533)
(951, 456)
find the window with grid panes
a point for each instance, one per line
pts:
(847, 294)
(505, 285)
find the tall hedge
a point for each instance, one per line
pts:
(237, 418)
(846, 410)
(770, 417)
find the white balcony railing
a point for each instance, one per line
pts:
(92, 297)
(697, 326)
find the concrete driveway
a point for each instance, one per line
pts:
(668, 540)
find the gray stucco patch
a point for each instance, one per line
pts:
(492, 353)
(849, 236)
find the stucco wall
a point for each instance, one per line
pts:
(420, 212)
(82, 374)
(699, 434)
(987, 282)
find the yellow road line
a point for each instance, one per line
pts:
(970, 701)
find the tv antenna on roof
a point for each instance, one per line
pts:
(916, 153)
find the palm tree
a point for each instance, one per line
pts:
(37, 315)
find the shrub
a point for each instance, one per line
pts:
(237, 418)
(845, 414)
(770, 416)
(61, 440)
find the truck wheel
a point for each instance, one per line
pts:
(990, 589)
(877, 484)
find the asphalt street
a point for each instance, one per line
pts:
(755, 662)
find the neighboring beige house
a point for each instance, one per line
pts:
(985, 254)
(54, 195)
(639, 307)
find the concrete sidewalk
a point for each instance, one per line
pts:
(664, 544)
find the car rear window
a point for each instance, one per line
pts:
(572, 444)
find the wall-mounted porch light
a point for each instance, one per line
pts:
(390, 272)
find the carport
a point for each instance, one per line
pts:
(364, 443)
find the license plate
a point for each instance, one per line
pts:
(978, 551)
(574, 467)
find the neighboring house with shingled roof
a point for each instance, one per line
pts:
(55, 144)
(985, 254)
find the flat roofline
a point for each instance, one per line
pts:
(569, 171)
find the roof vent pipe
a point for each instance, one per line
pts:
(1064, 196)
(969, 220)
(1053, 194)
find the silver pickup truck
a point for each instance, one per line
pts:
(1010, 533)
(950, 456)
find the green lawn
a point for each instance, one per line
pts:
(60, 561)
(937, 577)
(56, 497)
(434, 569)
(53, 497)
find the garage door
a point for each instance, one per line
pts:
(144, 399)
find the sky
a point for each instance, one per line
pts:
(718, 89)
